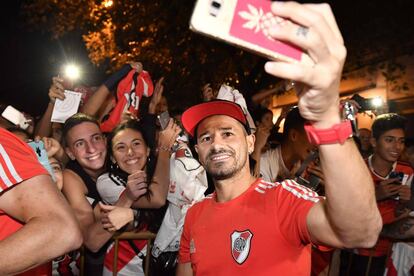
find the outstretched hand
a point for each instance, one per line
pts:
(316, 32)
(168, 135)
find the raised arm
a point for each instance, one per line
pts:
(98, 98)
(161, 179)
(48, 221)
(349, 216)
(94, 235)
(56, 91)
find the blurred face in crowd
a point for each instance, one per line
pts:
(87, 145)
(301, 145)
(390, 145)
(223, 146)
(129, 150)
(57, 171)
(365, 137)
(162, 105)
(266, 120)
(208, 93)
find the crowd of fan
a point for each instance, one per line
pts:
(119, 180)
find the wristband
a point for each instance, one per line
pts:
(338, 133)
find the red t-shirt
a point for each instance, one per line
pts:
(18, 162)
(386, 208)
(261, 232)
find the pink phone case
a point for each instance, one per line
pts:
(244, 23)
(250, 22)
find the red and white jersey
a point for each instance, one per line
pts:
(386, 207)
(128, 97)
(129, 262)
(18, 162)
(262, 231)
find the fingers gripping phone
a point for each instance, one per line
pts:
(244, 23)
(15, 116)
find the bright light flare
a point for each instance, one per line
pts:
(377, 102)
(72, 71)
(108, 3)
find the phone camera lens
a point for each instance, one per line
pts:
(216, 4)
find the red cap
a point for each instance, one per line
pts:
(195, 114)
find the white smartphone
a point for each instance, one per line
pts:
(244, 23)
(15, 116)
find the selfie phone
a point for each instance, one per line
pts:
(399, 175)
(15, 116)
(244, 23)
(41, 153)
(164, 118)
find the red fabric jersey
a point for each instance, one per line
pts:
(386, 208)
(261, 232)
(18, 162)
(129, 95)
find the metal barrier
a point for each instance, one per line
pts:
(145, 235)
(134, 236)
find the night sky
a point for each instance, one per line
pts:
(30, 59)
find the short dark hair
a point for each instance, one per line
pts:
(386, 122)
(293, 120)
(75, 120)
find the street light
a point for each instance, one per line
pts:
(377, 102)
(72, 72)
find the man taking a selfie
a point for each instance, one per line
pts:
(252, 227)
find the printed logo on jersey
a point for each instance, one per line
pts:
(240, 245)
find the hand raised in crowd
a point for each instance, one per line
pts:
(127, 115)
(137, 66)
(56, 90)
(262, 134)
(114, 218)
(136, 185)
(387, 189)
(167, 137)
(156, 95)
(316, 32)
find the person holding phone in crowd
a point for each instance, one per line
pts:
(249, 226)
(390, 177)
